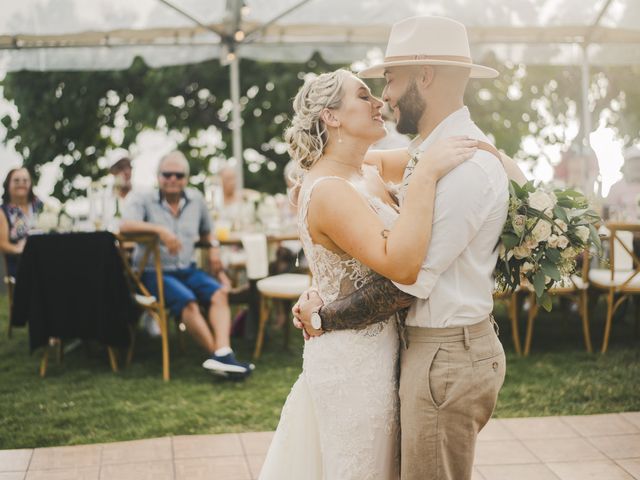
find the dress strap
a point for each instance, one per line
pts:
(306, 193)
(303, 209)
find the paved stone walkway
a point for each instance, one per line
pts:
(599, 447)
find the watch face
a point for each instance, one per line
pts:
(316, 321)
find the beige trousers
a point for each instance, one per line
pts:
(449, 384)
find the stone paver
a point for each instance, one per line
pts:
(12, 475)
(548, 448)
(15, 460)
(608, 424)
(593, 470)
(632, 466)
(563, 449)
(539, 427)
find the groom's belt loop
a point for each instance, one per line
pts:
(467, 343)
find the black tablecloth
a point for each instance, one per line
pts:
(73, 286)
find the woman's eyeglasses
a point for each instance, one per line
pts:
(168, 175)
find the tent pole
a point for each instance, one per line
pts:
(586, 116)
(236, 119)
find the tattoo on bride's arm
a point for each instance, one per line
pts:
(374, 302)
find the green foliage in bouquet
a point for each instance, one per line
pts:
(544, 234)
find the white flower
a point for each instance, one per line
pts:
(583, 233)
(526, 267)
(47, 221)
(568, 253)
(560, 227)
(540, 200)
(521, 252)
(518, 223)
(563, 241)
(65, 223)
(51, 205)
(541, 231)
(552, 241)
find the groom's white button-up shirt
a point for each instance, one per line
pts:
(455, 285)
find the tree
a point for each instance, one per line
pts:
(72, 116)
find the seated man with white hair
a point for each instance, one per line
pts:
(179, 216)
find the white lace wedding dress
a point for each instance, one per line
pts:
(340, 420)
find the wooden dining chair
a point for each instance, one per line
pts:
(621, 280)
(285, 286)
(154, 306)
(575, 288)
(510, 299)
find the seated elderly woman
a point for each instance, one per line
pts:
(19, 209)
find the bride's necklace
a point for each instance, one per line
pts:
(346, 164)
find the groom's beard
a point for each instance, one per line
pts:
(411, 106)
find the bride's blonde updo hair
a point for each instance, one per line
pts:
(307, 135)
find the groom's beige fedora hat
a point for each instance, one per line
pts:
(428, 41)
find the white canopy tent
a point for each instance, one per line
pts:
(109, 34)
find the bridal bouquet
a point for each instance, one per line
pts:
(543, 235)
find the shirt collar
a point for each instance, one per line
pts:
(419, 144)
(184, 200)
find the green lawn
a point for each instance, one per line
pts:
(82, 401)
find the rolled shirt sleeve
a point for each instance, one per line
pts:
(464, 199)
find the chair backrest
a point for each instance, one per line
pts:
(622, 256)
(622, 246)
(151, 245)
(255, 246)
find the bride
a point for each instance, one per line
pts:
(340, 421)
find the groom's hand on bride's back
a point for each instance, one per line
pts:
(308, 302)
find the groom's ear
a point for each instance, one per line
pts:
(329, 119)
(424, 76)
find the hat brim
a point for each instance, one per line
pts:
(477, 71)
(119, 164)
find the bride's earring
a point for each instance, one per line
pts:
(339, 135)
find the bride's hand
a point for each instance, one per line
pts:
(445, 155)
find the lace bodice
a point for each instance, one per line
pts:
(336, 275)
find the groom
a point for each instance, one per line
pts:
(453, 366)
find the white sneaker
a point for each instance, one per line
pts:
(226, 364)
(150, 325)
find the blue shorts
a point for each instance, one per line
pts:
(182, 287)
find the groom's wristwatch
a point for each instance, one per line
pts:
(316, 320)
